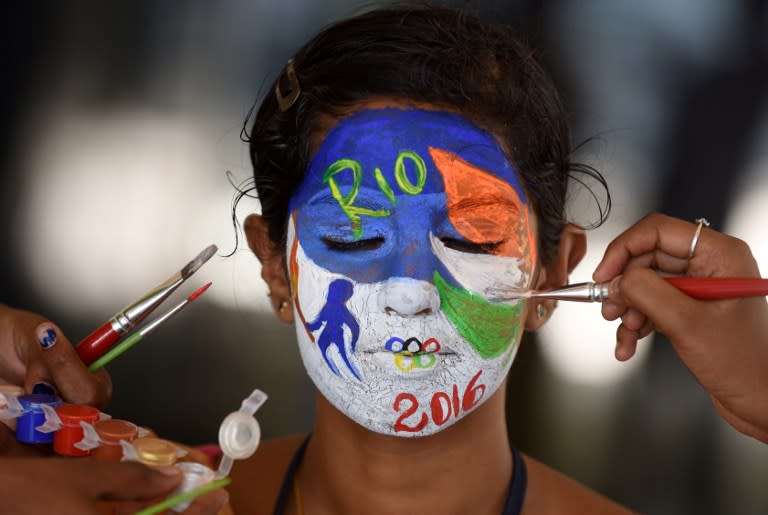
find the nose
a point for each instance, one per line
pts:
(406, 297)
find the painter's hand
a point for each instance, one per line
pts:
(34, 350)
(724, 343)
(30, 486)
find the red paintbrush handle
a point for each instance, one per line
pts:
(97, 343)
(713, 288)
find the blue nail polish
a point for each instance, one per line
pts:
(44, 388)
(48, 339)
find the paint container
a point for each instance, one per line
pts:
(195, 476)
(71, 432)
(155, 452)
(34, 416)
(111, 433)
(9, 389)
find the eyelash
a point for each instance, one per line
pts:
(470, 247)
(346, 246)
(374, 243)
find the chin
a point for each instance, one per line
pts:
(406, 405)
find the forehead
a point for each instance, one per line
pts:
(393, 144)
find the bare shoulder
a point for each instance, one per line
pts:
(256, 481)
(550, 491)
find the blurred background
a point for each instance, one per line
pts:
(119, 123)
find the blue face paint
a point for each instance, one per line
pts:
(332, 319)
(373, 186)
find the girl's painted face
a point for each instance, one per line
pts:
(404, 219)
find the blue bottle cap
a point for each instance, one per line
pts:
(34, 401)
(26, 425)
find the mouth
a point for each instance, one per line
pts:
(413, 347)
(411, 358)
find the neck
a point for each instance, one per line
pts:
(464, 468)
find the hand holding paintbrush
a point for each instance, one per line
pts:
(723, 343)
(34, 351)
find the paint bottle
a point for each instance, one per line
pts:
(33, 416)
(9, 389)
(110, 434)
(70, 432)
(195, 475)
(151, 451)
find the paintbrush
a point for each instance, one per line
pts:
(702, 288)
(139, 335)
(99, 341)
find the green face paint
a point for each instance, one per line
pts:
(489, 328)
(401, 174)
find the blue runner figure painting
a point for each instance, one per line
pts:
(335, 316)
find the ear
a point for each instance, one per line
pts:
(273, 270)
(573, 246)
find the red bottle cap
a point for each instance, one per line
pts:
(70, 433)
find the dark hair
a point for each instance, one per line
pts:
(434, 55)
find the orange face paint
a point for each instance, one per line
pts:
(293, 265)
(483, 207)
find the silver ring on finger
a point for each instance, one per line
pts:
(701, 222)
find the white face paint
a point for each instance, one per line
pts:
(480, 273)
(392, 323)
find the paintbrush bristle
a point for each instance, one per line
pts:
(199, 292)
(504, 294)
(199, 261)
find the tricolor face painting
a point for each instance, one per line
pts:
(404, 219)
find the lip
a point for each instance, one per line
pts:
(408, 365)
(409, 354)
(413, 346)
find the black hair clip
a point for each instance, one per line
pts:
(290, 84)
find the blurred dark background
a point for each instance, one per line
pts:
(120, 119)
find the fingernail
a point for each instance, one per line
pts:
(47, 338)
(44, 388)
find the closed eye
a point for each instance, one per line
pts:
(471, 247)
(347, 246)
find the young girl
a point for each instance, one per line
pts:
(407, 161)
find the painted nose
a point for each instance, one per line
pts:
(406, 297)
